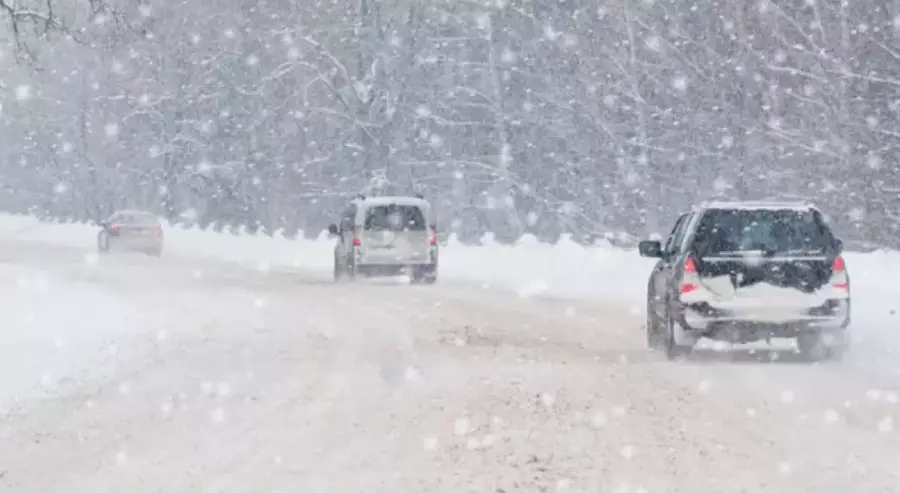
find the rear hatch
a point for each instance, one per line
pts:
(395, 233)
(138, 227)
(766, 257)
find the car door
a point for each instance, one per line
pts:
(662, 272)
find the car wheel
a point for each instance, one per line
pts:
(673, 350)
(103, 242)
(426, 274)
(653, 324)
(338, 270)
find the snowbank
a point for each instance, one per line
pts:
(529, 267)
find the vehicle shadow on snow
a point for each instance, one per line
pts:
(748, 356)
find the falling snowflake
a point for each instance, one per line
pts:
(547, 399)
(832, 416)
(429, 443)
(111, 129)
(784, 468)
(653, 43)
(229, 33)
(252, 60)
(60, 188)
(508, 55)
(751, 413)
(787, 396)
(23, 92)
(121, 458)
(461, 426)
(117, 67)
(704, 387)
(874, 162)
(627, 451)
(259, 302)
(435, 141)
(218, 416)
(886, 425)
(599, 420)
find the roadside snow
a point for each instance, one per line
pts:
(529, 268)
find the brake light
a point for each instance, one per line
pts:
(434, 239)
(356, 241)
(689, 265)
(115, 228)
(838, 265)
(159, 230)
(690, 280)
(839, 274)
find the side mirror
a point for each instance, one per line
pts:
(651, 249)
(333, 229)
(839, 245)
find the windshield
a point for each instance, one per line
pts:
(134, 219)
(395, 218)
(767, 231)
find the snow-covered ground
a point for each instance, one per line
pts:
(240, 367)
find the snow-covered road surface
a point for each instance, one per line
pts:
(234, 380)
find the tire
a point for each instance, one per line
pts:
(156, 252)
(673, 350)
(653, 327)
(424, 274)
(338, 270)
(103, 242)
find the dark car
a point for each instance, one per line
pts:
(745, 272)
(139, 231)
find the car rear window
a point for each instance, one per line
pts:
(395, 217)
(723, 232)
(135, 219)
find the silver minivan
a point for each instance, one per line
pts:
(386, 236)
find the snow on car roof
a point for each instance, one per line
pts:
(771, 205)
(398, 199)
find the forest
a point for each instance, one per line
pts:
(545, 117)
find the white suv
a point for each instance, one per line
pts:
(386, 236)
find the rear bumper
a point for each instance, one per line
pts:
(707, 320)
(364, 258)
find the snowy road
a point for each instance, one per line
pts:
(223, 379)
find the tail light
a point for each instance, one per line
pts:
(115, 228)
(690, 280)
(159, 230)
(356, 241)
(839, 274)
(433, 241)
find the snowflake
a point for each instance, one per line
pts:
(653, 43)
(508, 55)
(145, 10)
(832, 416)
(60, 188)
(166, 407)
(874, 162)
(872, 121)
(252, 60)
(547, 399)
(857, 214)
(886, 425)
(111, 129)
(751, 413)
(764, 6)
(897, 22)
(229, 33)
(23, 92)
(100, 19)
(461, 426)
(780, 56)
(483, 20)
(809, 90)
(680, 83)
(787, 396)
(784, 468)
(458, 175)
(528, 106)
(218, 415)
(570, 40)
(531, 218)
(627, 451)
(293, 53)
(124, 388)
(117, 67)
(809, 3)
(435, 141)
(704, 387)
(721, 185)
(121, 458)
(224, 389)
(609, 100)
(259, 302)
(423, 111)
(195, 38)
(429, 443)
